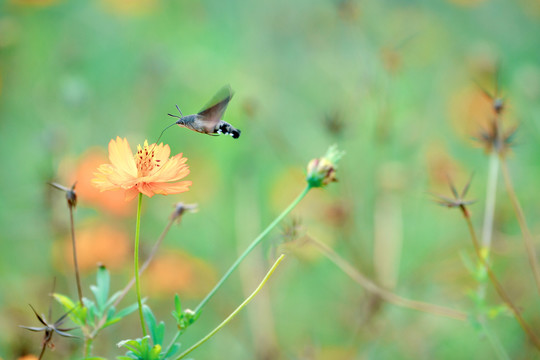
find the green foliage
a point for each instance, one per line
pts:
(99, 314)
(183, 318)
(142, 349)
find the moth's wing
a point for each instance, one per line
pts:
(213, 111)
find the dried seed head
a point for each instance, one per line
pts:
(71, 195)
(180, 208)
(495, 139)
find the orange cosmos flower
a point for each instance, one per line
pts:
(149, 171)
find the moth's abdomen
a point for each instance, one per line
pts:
(225, 128)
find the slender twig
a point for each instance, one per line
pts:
(43, 348)
(527, 237)
(498, 287)
(489, 211)
(71, 197)
(75, 263)
(136, 264)
(251, 247)
(235, 312)
(386, 295)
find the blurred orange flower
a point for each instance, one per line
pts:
(179, 272)
(149, 172)
(123, 7)
(28, 357)
(89, 194)
(36, 3)
(96, 244)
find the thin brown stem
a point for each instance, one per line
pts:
(498, 287)
(386, 295)
(43, 348)
(527, 237)
(75, 262)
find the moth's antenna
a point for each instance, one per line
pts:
(180, 111)
(176, 116)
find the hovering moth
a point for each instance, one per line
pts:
(208, 121)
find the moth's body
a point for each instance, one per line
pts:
(200, 124)
(208, 121)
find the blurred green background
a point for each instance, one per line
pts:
(390, 82)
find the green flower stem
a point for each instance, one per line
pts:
(126, 289)
(173, 341)
(494, 341)
(238, 309)
(136, 261)
(251, 247)
(491, 194)
(88, 346)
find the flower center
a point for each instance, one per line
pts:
(145, 160)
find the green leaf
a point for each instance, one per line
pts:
(91, 316)
(172, 351)
(154, 353)
(177, 304)
(65, 301)
(110, 322)
(110, 313)
(77, 313)
(157, 331)
(133, 345)
(101, 291)
(128, 310)
(113, 298)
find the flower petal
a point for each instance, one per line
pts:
(121, 156)
(173, 170)
(167, 189)
(146, 189)
(131, 194)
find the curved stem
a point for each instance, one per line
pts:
(527, 237)
(173, 341)
(235, 312)
(75, 263)
(498, 287)
(136, 262)
(251, 247)
(386, 295)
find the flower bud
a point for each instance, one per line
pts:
(322, 171)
